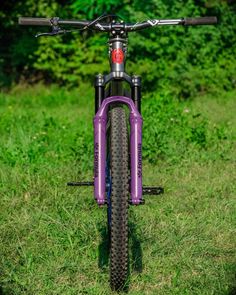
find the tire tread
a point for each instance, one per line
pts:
(119, 198)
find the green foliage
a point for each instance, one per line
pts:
(93, 7)
(172, 129)
(184, 60)
(47, 134)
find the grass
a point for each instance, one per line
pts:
(53, 238)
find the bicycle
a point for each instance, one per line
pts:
(117, 151)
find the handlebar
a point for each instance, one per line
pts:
(38, 21)
(108, 27)
(212, 20)
(34, 21)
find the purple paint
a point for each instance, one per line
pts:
(136, 156)
(100, 121)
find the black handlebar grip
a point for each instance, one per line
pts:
(34, 21)
(208, 20)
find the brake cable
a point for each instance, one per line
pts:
(57, 30)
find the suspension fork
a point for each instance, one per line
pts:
(117, 89)
(100, 122)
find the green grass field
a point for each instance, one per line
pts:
(53, 238)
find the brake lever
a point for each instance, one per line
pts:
(53, 33)
(56, 30)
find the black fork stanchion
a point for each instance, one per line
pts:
(136, 92)
(99, 91)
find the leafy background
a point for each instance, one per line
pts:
(186, 61)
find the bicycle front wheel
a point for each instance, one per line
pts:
(118, 207)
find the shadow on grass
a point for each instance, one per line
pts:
(136, 250)
(135, 259)
(103, 248)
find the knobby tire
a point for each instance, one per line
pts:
(119, 170)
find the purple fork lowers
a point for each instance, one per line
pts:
(100, 122)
